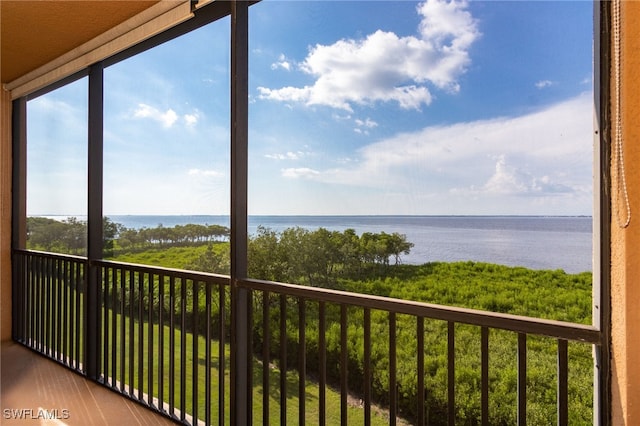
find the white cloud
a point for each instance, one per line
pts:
(166, 118)
(191, 119)
(542, 84)
(290, 155)
(302, 172)
(509, 180)
(283, 63)
(363, 126)
(543, 155)
(385, 67)
(366, 123)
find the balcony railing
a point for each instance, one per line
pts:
(164, 341)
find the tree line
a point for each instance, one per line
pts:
(70, 235)
(312, 257)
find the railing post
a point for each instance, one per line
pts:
(94, 222)
(241, 383)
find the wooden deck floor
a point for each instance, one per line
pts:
(34, 387)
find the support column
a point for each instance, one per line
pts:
(18, 199)
(94, 221)
(241, 384)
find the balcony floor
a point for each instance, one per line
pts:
(37, 387)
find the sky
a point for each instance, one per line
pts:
(355, 108)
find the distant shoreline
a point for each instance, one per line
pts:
(535, 242)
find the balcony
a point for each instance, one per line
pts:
(168, 340)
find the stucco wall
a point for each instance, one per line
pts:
(626, 241)
(5, 216)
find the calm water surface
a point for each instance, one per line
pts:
(535, 242)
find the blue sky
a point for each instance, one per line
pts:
(365, 107)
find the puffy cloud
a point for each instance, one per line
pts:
(191, 119)
(166, 118)
(283, 63)
(509, 180)
(385, 67)
(363, 126)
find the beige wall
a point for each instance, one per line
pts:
(5, 216)
(625, 247)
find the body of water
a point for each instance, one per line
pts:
(536, 242)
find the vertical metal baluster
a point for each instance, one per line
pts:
(51, 314)
(101, 369)
(420, 361)
(33, 282)
(81, 288)
(322, 347)
(393, 383)
(46, 324)
(114, 325)
(123, 325)
(55, 326)
(28, 274)
(150, 347)
(58, 304)
(221, 355)
(52, 307)
(65, 314)
(563, 383)
(367, 366)
(302, 360)
(266, 348)
(451, 373)
(42, 305)
(161, 280)
(73, 309)
(19, 319)
(522, 379)
(207, 356)
(24, 272)
(104, 303)
(23, 278)
(59, 309)
(195, 356)
(172, 344)
(71, 314)
(344, 359)
(38, 306)
(183, 348)
(283, 359)
(132, 341)
(484, 375)
(140, 365)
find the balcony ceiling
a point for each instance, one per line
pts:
(36, 32)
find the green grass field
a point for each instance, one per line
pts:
(197, 367)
